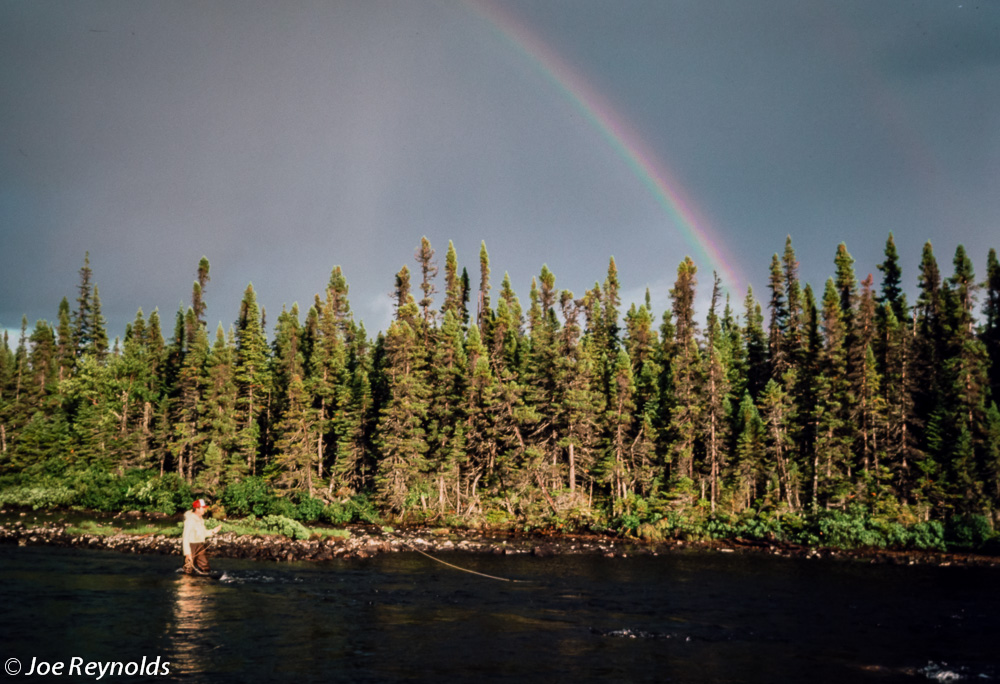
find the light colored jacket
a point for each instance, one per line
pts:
(194, 531)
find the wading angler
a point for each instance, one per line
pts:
(195, 536)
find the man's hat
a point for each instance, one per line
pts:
(199, 503)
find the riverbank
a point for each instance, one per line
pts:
(364, 541)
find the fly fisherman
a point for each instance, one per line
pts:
(195, 534)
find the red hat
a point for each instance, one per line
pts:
(199, 503)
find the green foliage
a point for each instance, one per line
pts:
(968, 532)
(280, 524)
(857, 426)
(356, 509)
(38, 497)
(309, 509)
(928, 536)
(249, 496)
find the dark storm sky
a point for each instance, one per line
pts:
(281, 139)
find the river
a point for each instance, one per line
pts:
(684, 617)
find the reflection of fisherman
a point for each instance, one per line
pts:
(195, 534)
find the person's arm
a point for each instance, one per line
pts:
(186, 539)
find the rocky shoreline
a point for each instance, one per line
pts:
(368, 541)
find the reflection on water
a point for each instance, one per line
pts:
(193, 617)
(686, 617)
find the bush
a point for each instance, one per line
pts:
(928, 536)
(280, 524)
(249, 496)
(54, 496)
(968, 532)
(356, 509)
(309, 509)
(141, 490)
(282, 506)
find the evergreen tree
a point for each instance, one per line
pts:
(793, 341)
(580, 401)
(198, 292)
(620, 463)
(898, 390)
(483, 309)
(686, 410)
(716, 394)
(779, 320)
(186, 405)
(832, 459)
(251, 378)
(83, 334)
(892, 279)
(991, 324)
(756, 343)
(929, 342)
(777, 413)
(218, 421)
(454, 295)
(428, 271)
(447, 376)
(400, 435)
(750, 468)
(66, 349)
(291, 468)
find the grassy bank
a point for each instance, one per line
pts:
(250, 507)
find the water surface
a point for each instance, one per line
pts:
(684, 617)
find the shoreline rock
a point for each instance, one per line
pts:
(368, 541)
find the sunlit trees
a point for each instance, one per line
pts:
(571, 407)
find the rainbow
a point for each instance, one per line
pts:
(627, 142)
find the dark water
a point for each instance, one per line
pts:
(697, 617)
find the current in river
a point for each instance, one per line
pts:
(678, 617)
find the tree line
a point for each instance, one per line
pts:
(473, 406)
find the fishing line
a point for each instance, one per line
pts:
(381, 529)
(473, 572)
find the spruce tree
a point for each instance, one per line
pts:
(779, 360)
(991, 323)
(251, 378)
(749, 469)
(291, 467)
(687, 409)
(66, 346)
(447, 375)
(892, 278)
(832, 461)
(400, 435)
(483, 310)
(756, 342)
(186, 405)
(716, 397)
(83, 334)
(198, 291)
(453, 295)
(428, 271)
(898, 390)
(218, 421)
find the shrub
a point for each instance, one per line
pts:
(928, 536)
(283, 506)
(968, 532)
(54, 496)
(142, 490)
(249, 496)
(309, 509)
(280, 524)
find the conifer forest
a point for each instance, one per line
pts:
(776, 412)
